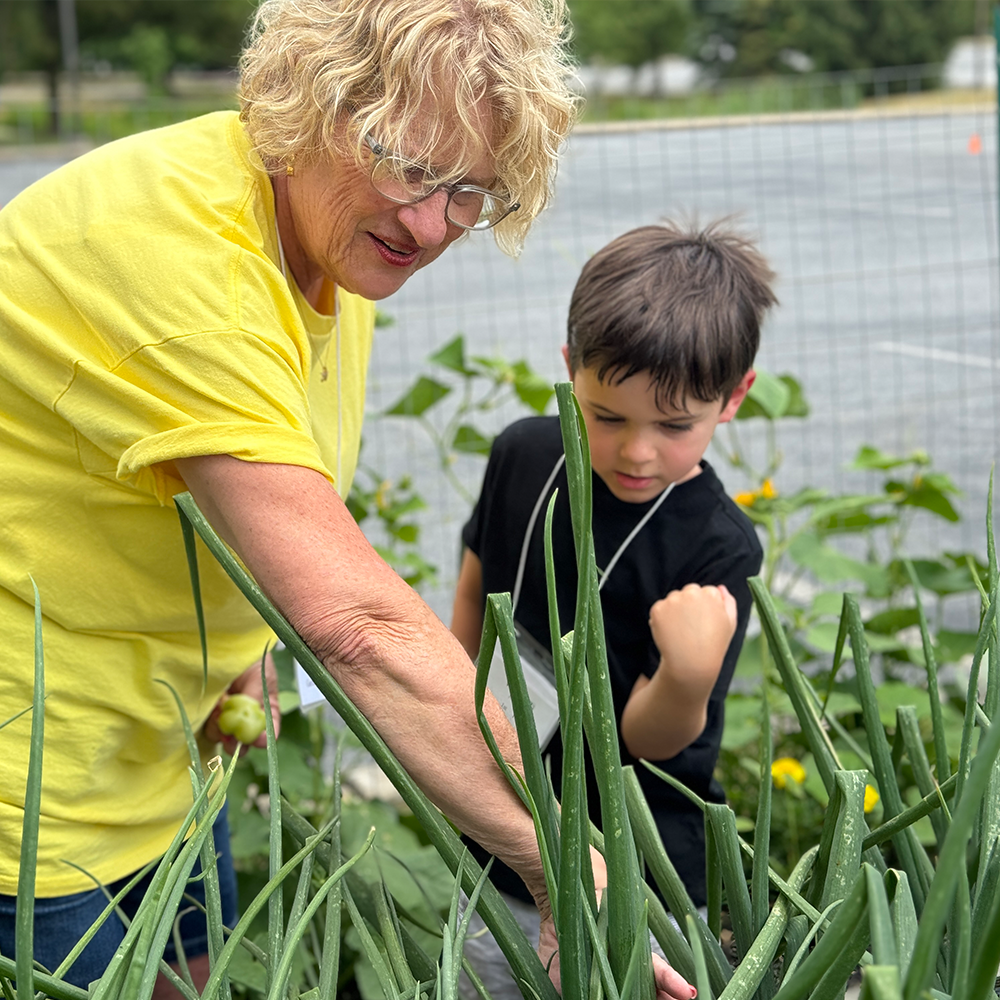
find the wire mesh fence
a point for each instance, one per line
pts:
(874, 198)
(881, 224)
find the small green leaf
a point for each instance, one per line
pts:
(383, 319)
(469, 441)
(420, 397)
(452, 356)
(406, 532)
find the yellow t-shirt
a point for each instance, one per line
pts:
(144, 317)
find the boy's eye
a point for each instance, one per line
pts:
(603, 418)
(676, 428)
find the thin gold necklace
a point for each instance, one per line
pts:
(324, 372)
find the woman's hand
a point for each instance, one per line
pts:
(670, 984)
(249, 684)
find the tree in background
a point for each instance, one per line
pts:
(630, 32)
(151, 37)
(754, 37)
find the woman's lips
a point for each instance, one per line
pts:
(634, 482)
(397, 254)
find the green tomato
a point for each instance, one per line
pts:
(242, 717)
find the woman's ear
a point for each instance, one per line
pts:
(737, 396)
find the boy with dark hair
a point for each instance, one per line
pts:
(664, 324)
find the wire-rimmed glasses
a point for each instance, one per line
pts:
(405, 182)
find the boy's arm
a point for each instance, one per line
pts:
(467, 612)
(692, 629)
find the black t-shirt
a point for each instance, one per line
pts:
(697, 536)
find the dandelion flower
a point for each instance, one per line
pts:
(787, 767)
(871, 798)
(745, 499)
(767, 490)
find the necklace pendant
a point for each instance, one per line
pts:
(323, 374)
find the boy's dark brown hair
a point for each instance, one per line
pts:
(683, 304)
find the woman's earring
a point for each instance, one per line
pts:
(290, 169)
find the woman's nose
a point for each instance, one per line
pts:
(426, 220)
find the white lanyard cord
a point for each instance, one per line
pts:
(527, 535)
(534, 517)
(336, 327)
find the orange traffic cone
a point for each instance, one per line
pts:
(975, 144)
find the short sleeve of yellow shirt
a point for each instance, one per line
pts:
(144, 317)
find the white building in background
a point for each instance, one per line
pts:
(971, 64)
(669, 76)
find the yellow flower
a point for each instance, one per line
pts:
(787, 767)
(871, 798)
(749, 497)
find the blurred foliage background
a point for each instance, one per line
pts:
(731, 37)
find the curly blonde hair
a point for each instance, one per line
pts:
(317, 76)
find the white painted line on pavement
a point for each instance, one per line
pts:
(936, 354)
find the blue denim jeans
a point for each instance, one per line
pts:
(60, 921)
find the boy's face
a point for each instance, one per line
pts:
(639, 449)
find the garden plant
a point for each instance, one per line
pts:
(920, 919)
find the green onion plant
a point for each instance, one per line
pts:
(920, 922)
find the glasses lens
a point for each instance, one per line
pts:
(401, 181)
(471, 209)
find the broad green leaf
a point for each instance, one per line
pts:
(470, 441)
(531, 388)
(452, 356)
(853, 523)
(827, 602)
(871, 458)
(929, 498)
(831, 566)
(419, 398)
(823, 636)
(891, 621)
(943, 576)
(843, 505)
(768, 397)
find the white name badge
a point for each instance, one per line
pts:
(309, 694)
(539, 678)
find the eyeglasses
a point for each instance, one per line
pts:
(406, 183)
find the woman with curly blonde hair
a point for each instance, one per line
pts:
(192, 309)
